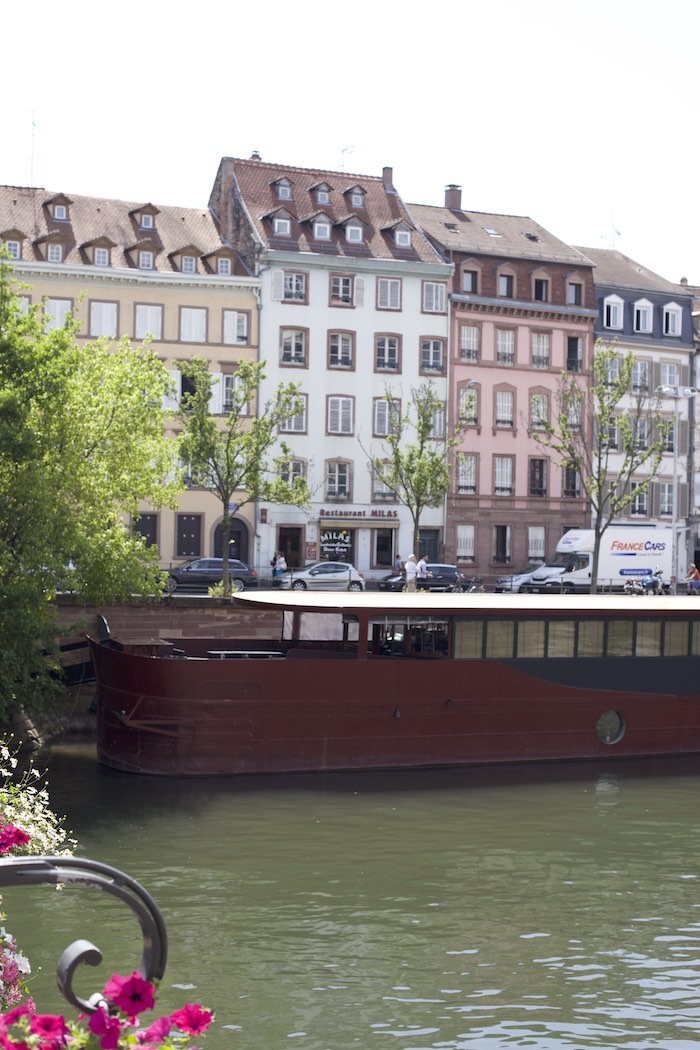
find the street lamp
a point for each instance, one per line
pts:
(676, 394)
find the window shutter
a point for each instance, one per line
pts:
(231, 326)
(429, 297)
(381, 417)
(465, 541)
(333, 414)
(278, 284)
(359, 291)
(346, 417)
(216, 401)
(171, 401)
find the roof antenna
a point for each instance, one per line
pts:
(348, 149)
(31, 158)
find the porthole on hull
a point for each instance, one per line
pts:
(610, 727)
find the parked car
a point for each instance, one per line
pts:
(322, 576)
(202, 573)
(516, 582)
(441, 578)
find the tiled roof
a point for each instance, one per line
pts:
(94, 219)
(383, 207)
(512, 236)
(614, 268)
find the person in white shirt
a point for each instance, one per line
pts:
(422, 569)
(411, 568)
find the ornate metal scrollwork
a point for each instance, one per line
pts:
(31, 871)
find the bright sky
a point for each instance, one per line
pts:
(580, 115)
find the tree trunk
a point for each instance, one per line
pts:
(226, 540)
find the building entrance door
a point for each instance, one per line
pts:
(289, 544)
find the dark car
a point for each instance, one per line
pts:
(202, 573)
(440, 578)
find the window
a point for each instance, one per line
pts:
(291, 469)
(638, 506)
(612, 438)
(574, 353)
(188, 535)
(380, 490)
(539, 411)
(357, 199)
(284, 190)
(145, 260)
(574, 412)
(501, 544)
(193, 324)
(296, 424)
(665, 499)
(103, 319)
(669, 374)
(388, 294)
(465, 542)
(338, 481)
(56, 313)
(293, 347)
(386, 416)
(670, 436)
(469, 406)
(538, 477)
(230, 391)
(341, 351)
(434, 297)
(432, 356)
(323, 195)
(437, 426)
(353, 233)
(505, 347)
(189, 264)
(541, 290)
(223, 267)
(574, 293)
(612, 312)
(322, 230)
(673, 319)
(340, 415)
(469, 343)
(642, 314)
(282, 226)
(503, 475)
(470, 280)
(540, 349)
(148, 321)
(402, 238)
(571, 483)
(640, 433)
(504, 409)
(505, 285)
(147, 222)
(235, 328)
(386, 353)
(146, 525)
(341, 290)
(466, 473)
(294, 287)
(54, 252)
(14, 249)
(640, 376)
(535, 542)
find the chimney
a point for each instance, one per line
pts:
(388, 180)
(453, 197)
(255, 155)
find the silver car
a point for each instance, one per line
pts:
(322, 576)
(517, 581)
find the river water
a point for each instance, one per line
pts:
(549, 907)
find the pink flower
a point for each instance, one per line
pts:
(192, 1019)
(106, 1028)
(51, 1026)
(9, 1044)
(12, 1016)
(155, 1033)
(131, 994)
(11, 836)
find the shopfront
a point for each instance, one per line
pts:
(365, 538)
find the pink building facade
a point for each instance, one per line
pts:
(522, 311)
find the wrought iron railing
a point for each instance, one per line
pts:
(78, 871)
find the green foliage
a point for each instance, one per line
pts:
(81, 444)
(234, 459)
(414, 464)
(579, 435)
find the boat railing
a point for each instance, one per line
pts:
(80, 871)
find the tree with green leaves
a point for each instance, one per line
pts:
(414, 464)
(82, 442)
(234, 459)
(609, 434)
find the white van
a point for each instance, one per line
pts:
(625, 551)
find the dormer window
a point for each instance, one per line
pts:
(353, 233)
(322, 229)
(323, 194)
(146, 260)
(60, 212)
(14, 249)
(282, 226)
(357, 198)
(189, 264)
(101, 257)
(284, 190)
(147, 221)
(643, 314)
(54, 252)
(402, 238)
(612, 312)
(223, 267)
(673, 319)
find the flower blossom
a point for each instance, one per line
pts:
(132, 994)
(106, 1028)
(11, 836)
(52, 1027)
(192, 1019)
